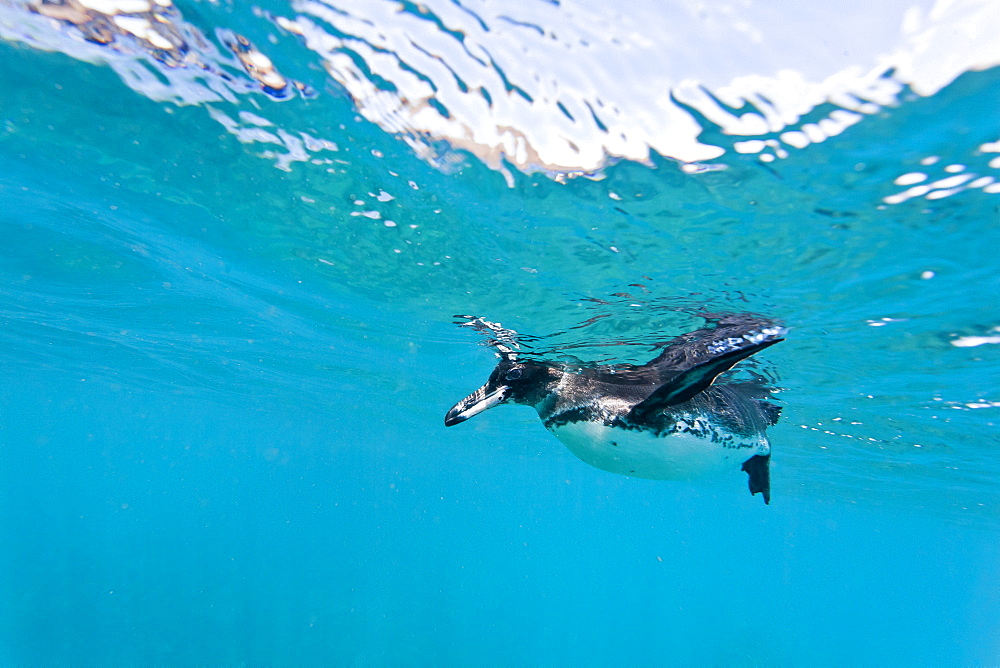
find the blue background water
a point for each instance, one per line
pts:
(222, 440)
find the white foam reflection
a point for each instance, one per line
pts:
(250, 128)
(151, 47)
(157, 53)
(960, 180)
(973, 341)
(557, 87)
(564, 87)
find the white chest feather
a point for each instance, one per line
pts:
(679, 456)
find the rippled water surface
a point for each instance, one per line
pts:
(234, 241)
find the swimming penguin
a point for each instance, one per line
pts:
(664, 420)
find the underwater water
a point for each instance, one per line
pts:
(233, 243)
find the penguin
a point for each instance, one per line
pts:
(667, 419)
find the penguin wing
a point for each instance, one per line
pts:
(696, 379)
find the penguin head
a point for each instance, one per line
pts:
(512, 381)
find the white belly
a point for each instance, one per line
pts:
(641, 455)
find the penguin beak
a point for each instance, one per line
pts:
(474, 404)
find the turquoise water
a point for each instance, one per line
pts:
(223, 389)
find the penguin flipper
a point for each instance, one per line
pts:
(759, 469)
(694, 380)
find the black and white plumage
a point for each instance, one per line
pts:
(666, 420)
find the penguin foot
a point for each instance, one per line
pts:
(759, 470)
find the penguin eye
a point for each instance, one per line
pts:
(513, 374)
